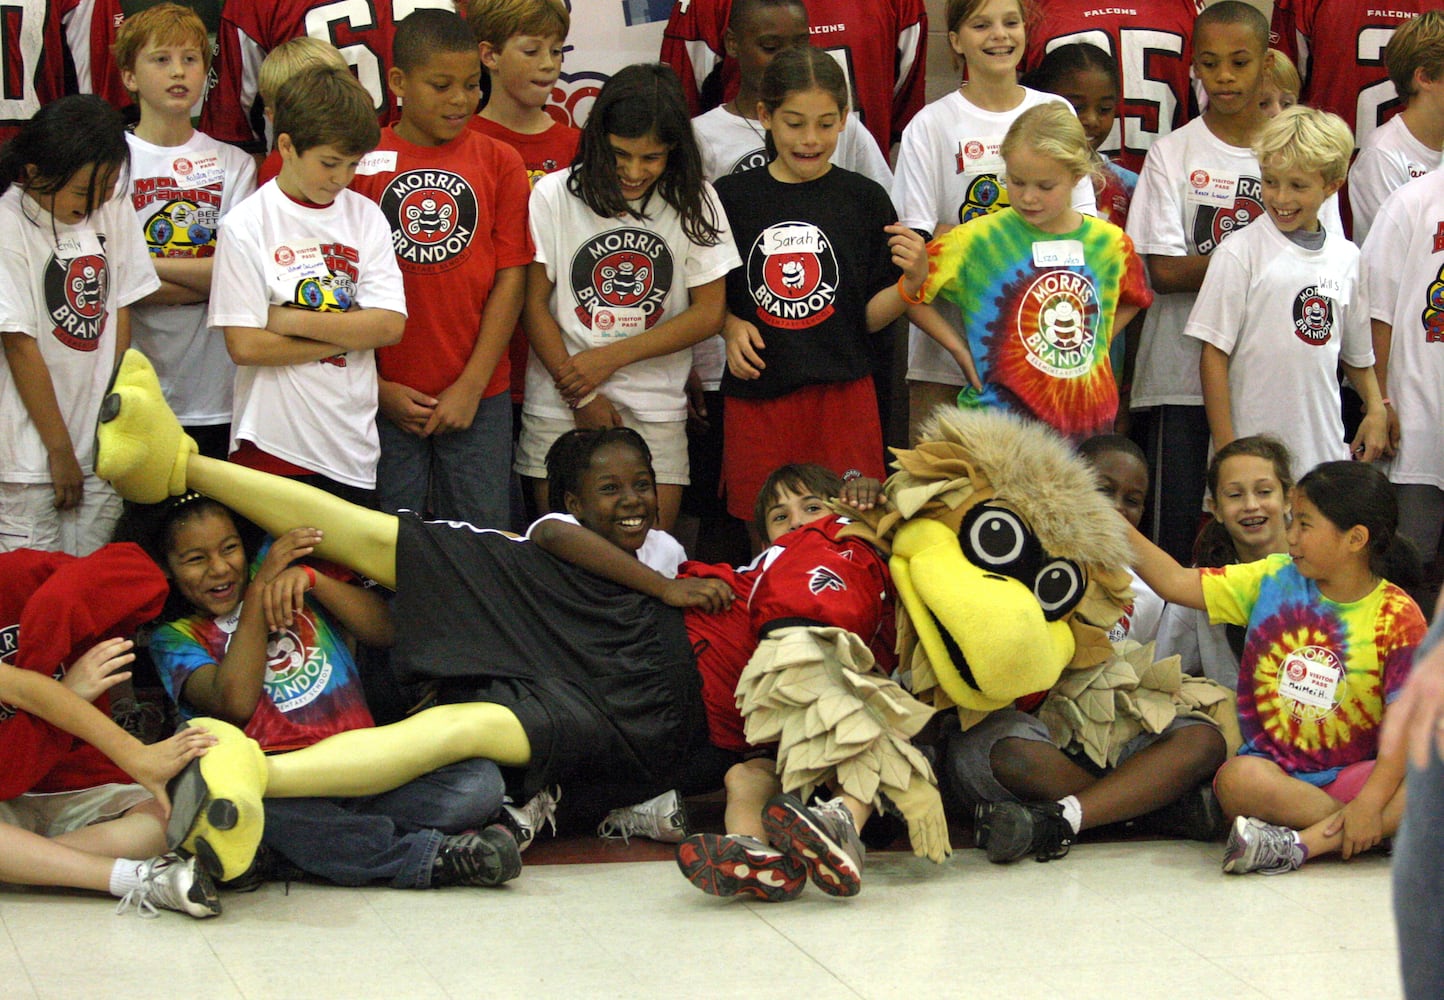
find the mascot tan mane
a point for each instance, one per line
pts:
(1010, 566)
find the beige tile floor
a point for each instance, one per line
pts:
(1114, 920)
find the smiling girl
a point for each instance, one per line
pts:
(826, 260)
(631, 250)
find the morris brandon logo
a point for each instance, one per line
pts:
(756, 158)
(9, 641)
(296, 672)
(622, 269)
(1313, 317)
(75, 294)
(792, 275)
(1213, 223)
(433, 218)
(1055, 323)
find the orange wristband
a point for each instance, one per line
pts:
(310, 575)
(906, 297)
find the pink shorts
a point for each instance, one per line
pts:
(1346, 786)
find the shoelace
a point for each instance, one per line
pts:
(139, 897)
(1276, 849)
(1057, 839)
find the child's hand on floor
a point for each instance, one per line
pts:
(152, 766)
(710, 595)
(95, 672)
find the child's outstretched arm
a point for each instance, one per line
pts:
(1217, 401)
(1174, 583)
(583, 372)
(909, 255)
(37, 395)
(48, 699)
(587, 550)
(1383, 335)
(1176, 274)
(931, 322)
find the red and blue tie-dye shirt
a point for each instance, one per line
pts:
(311, 689)
(1315, 674)
(1038, 314)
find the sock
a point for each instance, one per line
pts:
(1301, 853)
(1072, 811)
(125, 876)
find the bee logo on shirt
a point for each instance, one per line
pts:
(1213, 222)
(1057, 323)
(433, 218)
(792, 275)
(1313, 317)
(75, 295)
(622, 269)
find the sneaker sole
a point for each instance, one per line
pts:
(203, 893)
(792, 830)
(720, 866)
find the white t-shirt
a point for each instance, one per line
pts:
(274, 251)
(62, 284)
(660, 551)
(1390, 158)
(1194, 191)
(1404, 262)
(1202, 648)
(1286, 316)
(1140, 621)
(950, 170)
(614, 278)
(730, 144)
(180, 193)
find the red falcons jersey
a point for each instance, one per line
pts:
(90, 27)
(32, 61)
(880, 44)
(1150, 40)
(362, 29)
(1339, 48)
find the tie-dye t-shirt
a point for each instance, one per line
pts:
(1315, 674)
(1038, 312)
(311, 689)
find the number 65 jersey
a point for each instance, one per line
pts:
(1151, 40)
(362, 29)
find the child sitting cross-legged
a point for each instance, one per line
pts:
(1328, 646)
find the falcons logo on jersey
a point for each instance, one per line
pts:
(821, 578)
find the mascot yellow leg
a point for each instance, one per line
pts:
(142, 451)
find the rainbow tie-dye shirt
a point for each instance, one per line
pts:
(1038, 314)
(1315, 674)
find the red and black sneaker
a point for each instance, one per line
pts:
(738, 865)
(823, 837)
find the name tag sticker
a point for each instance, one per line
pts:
(83, 243)
(1207, 187)
(1334, 287)
(200, 169)
(981, 156)
(611, 323)
(380, 161)
(1058, 253)
(1310, 676)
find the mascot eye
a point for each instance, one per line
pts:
(995, 537)
(1058, 587)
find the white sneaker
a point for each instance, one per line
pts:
(663, 818)
(525, 822)
(173, 883)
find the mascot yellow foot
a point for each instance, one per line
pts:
(216, 811)
(140, 447)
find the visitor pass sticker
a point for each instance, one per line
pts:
(1310, 675)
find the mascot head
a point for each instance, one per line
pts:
(1009, 565)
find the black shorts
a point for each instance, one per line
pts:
(602, 678)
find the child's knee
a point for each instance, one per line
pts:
(751, 780)
(1202, 748)
(1237, 777)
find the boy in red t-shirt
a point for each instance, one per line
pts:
(521, 43)
(456, 202)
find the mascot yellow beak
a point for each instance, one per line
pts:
(990, 636)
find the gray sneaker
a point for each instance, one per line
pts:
(525, 822)
(663, 818)
(823, 837)
(171, 882)
(489, 857)
(1256, 846)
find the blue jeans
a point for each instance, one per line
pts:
(393, 836)
(460, 476)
